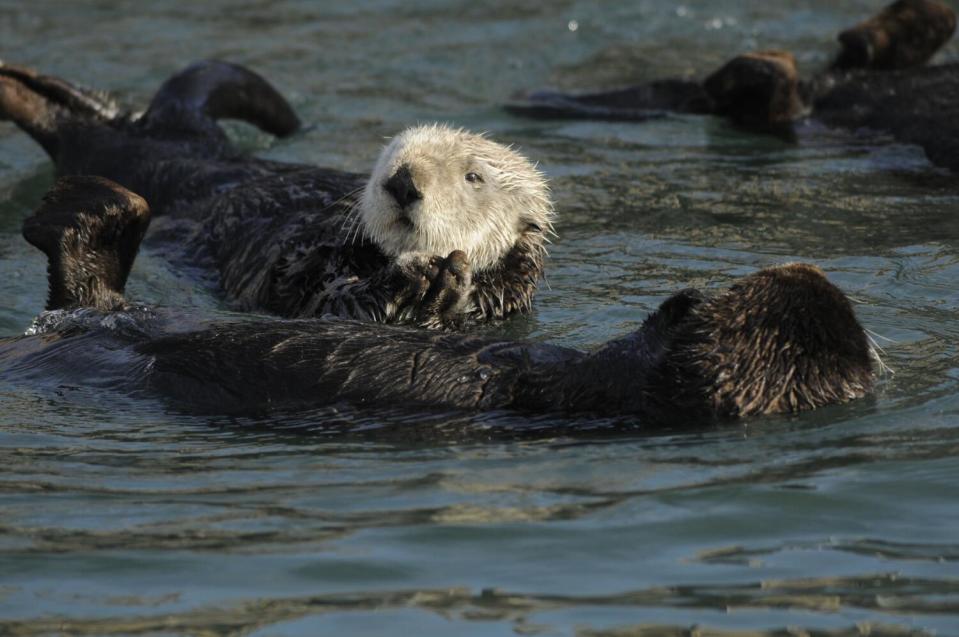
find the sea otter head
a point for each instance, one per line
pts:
(781, 340)
(905, 34)
(436, 189)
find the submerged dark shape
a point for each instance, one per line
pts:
(780, 340)
(875, 83)
(284, 238)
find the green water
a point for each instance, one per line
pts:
(118, 517)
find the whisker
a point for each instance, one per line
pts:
(350, 227)
(343, 198)
(877, 353)
(357, 226)
(880, 336)
(350, 218)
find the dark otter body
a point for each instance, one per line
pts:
(781, 340)
(673, 368)
(693, 359)
(874, 83)
(918, 106)
(276, 233)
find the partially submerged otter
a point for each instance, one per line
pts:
(873, 83)
(449, 229)
(781, 340)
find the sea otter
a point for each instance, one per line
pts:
(875, 82)
(903, 35)
(448, 230)
(780, 340)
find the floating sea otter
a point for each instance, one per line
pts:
(783, 339)
(903, 35)
(448, 229)
(873, 83)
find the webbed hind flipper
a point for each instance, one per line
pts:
(212, 90)
(90, 229)
(38, 104)
(74, 98)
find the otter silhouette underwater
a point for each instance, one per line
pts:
(781, 340)
(449, 230)
(876, 82)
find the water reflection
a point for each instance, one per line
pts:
(884, 592)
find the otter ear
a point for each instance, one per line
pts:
(90, 229)
(662, 326)
(675, 308)
(857, 50)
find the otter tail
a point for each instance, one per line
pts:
(212, 90)
(90, 229)
(40, 104)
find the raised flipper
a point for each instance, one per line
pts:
(212, 90)
(638, 103)
(39, 104)
(90, 229)
(76, 99)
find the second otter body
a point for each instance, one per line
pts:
(780, 340)
(689, 362)
(454, 234)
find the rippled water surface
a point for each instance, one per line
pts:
(118, 517)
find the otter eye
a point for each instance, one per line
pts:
(474, 178)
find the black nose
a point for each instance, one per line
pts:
(401, 186)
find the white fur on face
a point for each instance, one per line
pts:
(484, 217)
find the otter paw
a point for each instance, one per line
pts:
(448, 297)
(409, 283)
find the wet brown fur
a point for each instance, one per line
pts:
(90, 229)
(757, 89)
(905, 34)
(781, 340)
